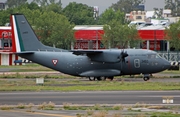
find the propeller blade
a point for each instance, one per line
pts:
(123, 55)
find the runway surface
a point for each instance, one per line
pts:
(89, 97)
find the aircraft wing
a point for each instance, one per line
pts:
(96, 73)
(88, 52)
(99, 55)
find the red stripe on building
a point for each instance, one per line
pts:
(16, 58)
(10, 59)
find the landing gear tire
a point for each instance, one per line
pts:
(111, 78)
(91, 78)
(104, 78)
(99, 78)
(146, 78)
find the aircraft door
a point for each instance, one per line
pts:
(136, 63)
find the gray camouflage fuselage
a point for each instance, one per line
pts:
(137, 62)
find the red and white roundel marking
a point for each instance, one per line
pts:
(55, 61)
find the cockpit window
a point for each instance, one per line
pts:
(158, 56)
(153, 56)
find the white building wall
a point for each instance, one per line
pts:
(4, 59)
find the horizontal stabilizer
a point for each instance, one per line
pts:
(24, 53)
(103, 72)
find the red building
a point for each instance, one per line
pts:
(5, 39)
(6, 56)
(152, 36)
(88, 37)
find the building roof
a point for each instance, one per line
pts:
(5, 27)
(100, 27)
(154, 27)
(88, 27)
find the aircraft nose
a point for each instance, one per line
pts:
(166, 64)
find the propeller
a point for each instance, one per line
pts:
(123, 55)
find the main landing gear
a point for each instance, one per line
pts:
(100, 78)
(92, 78)
(146, 77)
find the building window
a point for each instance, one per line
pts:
(2, 6)
(138, 17)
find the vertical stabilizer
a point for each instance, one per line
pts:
(24, 38)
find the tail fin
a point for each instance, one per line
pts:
(24, 38)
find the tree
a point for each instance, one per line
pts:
(49, 5)
(173, 35)
(127, 6)
(4, 17)
(51, 27)
(15, 3)
(79, 14)
(31, 15)
(41, 2)
(173, 5)
(25, 8)
(54, 30)
(116, 31)
(117, 35)
(31, 11)
(55, 7)
(31, 6)
(47, 2)
(110, 15)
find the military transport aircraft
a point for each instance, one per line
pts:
(94, 64)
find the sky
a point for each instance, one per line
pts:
(104, 4)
